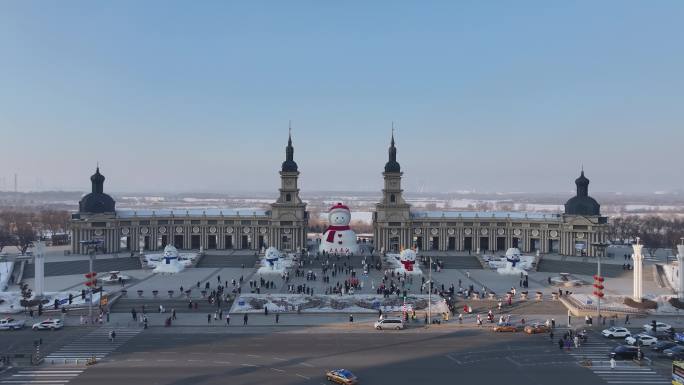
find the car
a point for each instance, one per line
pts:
(624, 352)
(9, 323)
(536, 328)
(615, 332)
(641, 340)
(48, 324)
(389, 323)
(660, 327)
(341, 376)
(675, 352)
(506, 327)
(662, 345)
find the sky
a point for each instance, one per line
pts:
(487, 96)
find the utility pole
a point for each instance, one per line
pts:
(600, 251)
(430, 293)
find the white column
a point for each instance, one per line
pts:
(638, 258)
(39, 266)
(680, 259)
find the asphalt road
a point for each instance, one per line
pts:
(301, 356)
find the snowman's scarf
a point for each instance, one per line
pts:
(331, 232)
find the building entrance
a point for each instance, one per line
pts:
(452, 243)
(434, 243)
(468, 243)
(500, 244)
(484, 244)
(229, 241)
(195, 242)
(178, 241)
(211, 242)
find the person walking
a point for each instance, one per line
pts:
(134, 314)
(265, 310)
(277, 317)
(112, 335)
(227, 319)
(244, 319)
(351, 318)
(173, 314)
(209, 318)
(626, 319)
(612, 363)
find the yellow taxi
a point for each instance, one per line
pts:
(536, 328)
(341, 376)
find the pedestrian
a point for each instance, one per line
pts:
(112, 335)
(612, 362)
(553, 323)
(209, 318)
(277, 317)
(560, 343)
(265, 310)
(244, 319)
(227, 320)
(551, 336)
(351, 318)
(173, 314)
(626, 319)
(460, 318)
(134, 314)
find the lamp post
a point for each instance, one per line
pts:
(91, 246)
(600, 248)
(430, 293)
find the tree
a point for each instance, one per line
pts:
(25, 236)
(6, 238)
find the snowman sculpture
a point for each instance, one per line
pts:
(339, 238)
(407, 258)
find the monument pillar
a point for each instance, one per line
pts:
(39, 267)
(638, 259)
(680, 260)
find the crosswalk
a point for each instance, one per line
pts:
(94, 344)
(47, 376)
(625, 372)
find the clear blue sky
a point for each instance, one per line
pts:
(485, 95)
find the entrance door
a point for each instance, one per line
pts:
(516, 242)
(468, 243)
(452, 243)
(394, 244)
(419, 243)
(484, 244)
(261, 242)
(162, 241)
(229, 241)
(553, 246)
(286, 243)
(125, 243)
(534, 244)
(147, 242)
(212, 242)
(245, 242)
(434, 243)
(500, 243)
(178, 241)
(195, 242)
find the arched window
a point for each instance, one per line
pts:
(288, 197)
(392, 198)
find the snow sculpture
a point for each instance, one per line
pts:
(339, 238)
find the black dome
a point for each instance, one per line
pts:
(97, 201)
(582, 203)
(579, 205)
(392, 165)
(289, 165)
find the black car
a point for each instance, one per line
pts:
(662, 345)
(675, 352)
(624, 352)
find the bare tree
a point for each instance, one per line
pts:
(25, 235)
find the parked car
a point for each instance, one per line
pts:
(662, 345)
(48, 324)
(341, 376)
(660, 327)
(536, 328)
(9, 323)
(507, 327)
(615, 332)
(389, 323)
(675, 352)
(641, 340)
(624, 352)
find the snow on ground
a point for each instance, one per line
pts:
(5, 273)
(358, 303)
(10, 301)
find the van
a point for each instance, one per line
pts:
(389, 323)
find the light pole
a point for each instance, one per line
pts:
(91, 247)
(430, 293)
(600, 248)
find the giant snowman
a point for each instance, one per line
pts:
(339, 238)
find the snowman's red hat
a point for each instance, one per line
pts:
(338, 206)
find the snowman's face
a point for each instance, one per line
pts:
(339, 218)
(408, 255)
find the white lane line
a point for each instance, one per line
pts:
(47, 375)
(250, 365)
(453, 359)
(304, 377)
(222, 362)
(166, 360)
(253, 356)
(195, 360)
(279, 359)
(306, 364)
(34, 382)
(51, 371)
(278, 370)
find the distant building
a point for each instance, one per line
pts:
(283, 226)
(397, 226)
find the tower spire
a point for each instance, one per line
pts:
(289, 164)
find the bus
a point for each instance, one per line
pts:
(677, 372)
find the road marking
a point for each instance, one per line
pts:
(304, 377)
(222, 362)
(253, 356)
(306, 364)
(166, 360)
(279, 359)
(194, 360)
(453, 359)
(278, 370)
(250, 365)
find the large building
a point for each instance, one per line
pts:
(283, 226)
(397, 226)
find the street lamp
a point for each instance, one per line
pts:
(91, 246)
(600, 247)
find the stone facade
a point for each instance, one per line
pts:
(396, 226)
(283, 226)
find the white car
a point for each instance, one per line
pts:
(641, 339)
(389, 323)
(614, 332)
(11, 324)
(660, 327)
(48, 324)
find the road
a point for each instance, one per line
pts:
(265, 355)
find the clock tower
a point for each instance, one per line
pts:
(289, 218)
